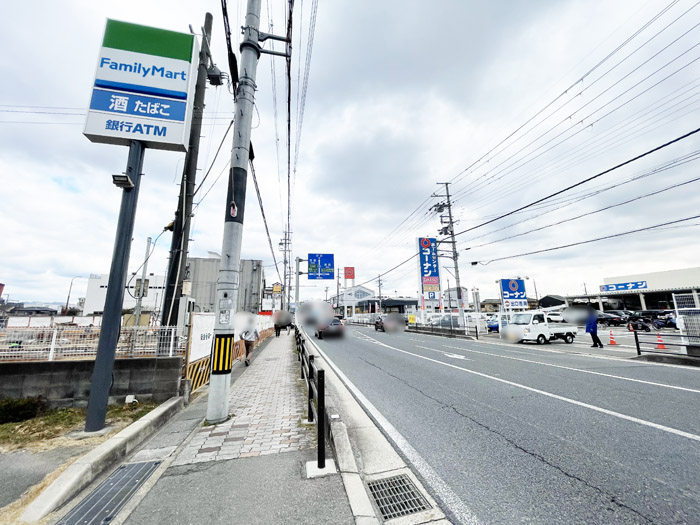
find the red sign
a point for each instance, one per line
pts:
(2, 287)
(349, 272)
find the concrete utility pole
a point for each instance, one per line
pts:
(379, 279)
(337, 296)
(112, 316)
(286, 285)
(139, 296)
(327, 293)
(449, 230)
(179, 244)
(228, 282)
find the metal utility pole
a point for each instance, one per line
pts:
(70, 289)
(112, 316)
(140, 290)
(179, 244)
(449, 230)
(296, 287)
(229, 269)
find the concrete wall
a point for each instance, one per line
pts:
(67, 383)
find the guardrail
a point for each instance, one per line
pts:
(316, 384)
(80, 342)
(655, 343)
(448, 331)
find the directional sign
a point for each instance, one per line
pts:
(513, 289)
(321, 266)
(428, 265)
(144, 87)
(635, 285)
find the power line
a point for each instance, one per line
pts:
(591, 240)
(262, 212)
(214, 159)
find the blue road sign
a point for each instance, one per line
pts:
(321, 266)
(513, 289)
(635, 285)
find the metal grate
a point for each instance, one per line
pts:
(397, 496)
(104, 503)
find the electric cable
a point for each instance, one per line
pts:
(262, 212)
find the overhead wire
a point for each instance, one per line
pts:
(262, 212)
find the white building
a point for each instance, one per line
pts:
(97, 293)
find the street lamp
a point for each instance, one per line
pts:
(65, 310)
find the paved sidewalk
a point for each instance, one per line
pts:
(249, 469)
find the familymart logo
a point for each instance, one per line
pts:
(137, 68)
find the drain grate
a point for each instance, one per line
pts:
(397, 496)
(102, 504)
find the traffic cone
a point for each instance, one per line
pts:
(612, 339)
(659, 342)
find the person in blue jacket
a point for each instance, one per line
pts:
(592, 328)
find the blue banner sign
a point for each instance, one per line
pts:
(635, 285)
(513, 289)
(428, 265)
(321, 266)
(139, 105)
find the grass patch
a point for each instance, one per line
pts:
(58, 422)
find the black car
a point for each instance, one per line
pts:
(610, 319)
(329, 328)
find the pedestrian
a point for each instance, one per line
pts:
(278, 329)
(249, 336)
(592, 328)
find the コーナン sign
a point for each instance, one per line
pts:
(144, 87)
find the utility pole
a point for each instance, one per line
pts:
(379, 280)
(449, 231)
(285, 245)
(337, 296)
(229, 269)
(326, 293)
(179, 244)
(140, 290)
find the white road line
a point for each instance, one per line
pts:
(437, 484)
(623, 378)
(633, 419)
(446, 354)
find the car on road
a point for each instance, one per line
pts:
(532, 325)
(331, 327)
(389, 323)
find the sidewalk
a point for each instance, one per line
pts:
(249, 469)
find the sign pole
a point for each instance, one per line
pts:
(111, 318)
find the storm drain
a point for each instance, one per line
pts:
(104, 503)
(397, 496)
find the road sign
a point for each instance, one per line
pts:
(349, 272)
(428, 265)
(277, 288)
(513, 289)
(635, 285)
(321, 266)
(144, 87)
(431, 295)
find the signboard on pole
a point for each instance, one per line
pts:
(349, 272)
(636, 285)
(513, 293)
(277, 288)
(429, 267)
(321, 266)
(144, 87)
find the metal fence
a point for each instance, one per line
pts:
(446, 331)
(316, 383)
(666, 344)
(73, 342)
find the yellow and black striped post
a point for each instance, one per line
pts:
(222, 355)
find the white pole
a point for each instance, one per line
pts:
(52, 352)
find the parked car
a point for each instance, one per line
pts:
(532, 326)
(555, 317)
(623, 314)
(609, 319)
(331, 327)
(492, 323)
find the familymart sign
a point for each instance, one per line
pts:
(144, 87)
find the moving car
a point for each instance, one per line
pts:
(331, 327)
(533, 326)
(389, 323)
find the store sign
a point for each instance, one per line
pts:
(144, 87)
(428, 265)
(635, 285)
(349, 272)
(513, 289)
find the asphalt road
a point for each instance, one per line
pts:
(529, 434)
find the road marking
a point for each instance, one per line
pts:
(432, 478)
(619, 415)
(664, 385)
(446, 354)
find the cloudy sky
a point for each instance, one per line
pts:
(508, 100)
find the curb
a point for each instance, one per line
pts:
(88, 467)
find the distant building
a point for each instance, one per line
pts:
(203, 273)
(97, 293)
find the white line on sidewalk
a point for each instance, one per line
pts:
(442, 489)
(619, 415)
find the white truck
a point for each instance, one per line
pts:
(532, 325)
